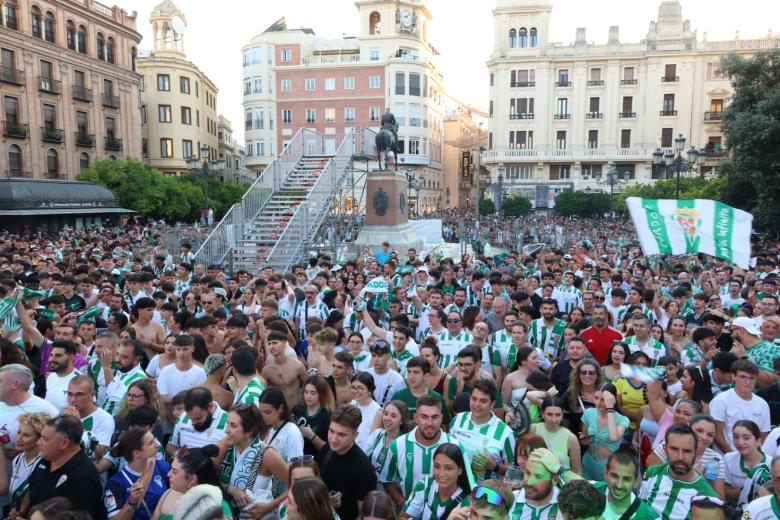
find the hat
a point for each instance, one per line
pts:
(567, 257)
(381, 346)
(746, 323)
(220, 292)
(422, 269)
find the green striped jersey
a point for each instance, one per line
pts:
(549, 341)
(653, 348)
(523, 510)
(669, 496)
(408, 461)
(424, 502)
(250, 394)
(449, 346)
(184, 434)
(304, 310)
(569, 298)
(498, 435)
(501, 340)
(116, 390)
(764, 508)
(401, 359)
(691, 355)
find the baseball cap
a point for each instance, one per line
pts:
(746, 323)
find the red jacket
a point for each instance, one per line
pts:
(600, 341)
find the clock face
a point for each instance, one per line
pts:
(406, 17)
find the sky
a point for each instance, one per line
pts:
(462, 31)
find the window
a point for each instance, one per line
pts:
(628, 106)
(594, 105)
(373, 113)
(414, 146)
(246, 59)
(143, 114)
(49, 117)
(166, 147)
(285, 55)
(133, 59)
(349, 83)
(11, 107)
(101, 47)
(595, 77)
(400, 83)
(81, 40)
(15, 160)
(519, 172)
(184, 85)
(512, 38)
(82, 122)
(521, 108)
(271, 119)
(52, 163)
(491, 79)
(628, 74)
(560, 172)
(670, 72)
(522, 38)
(48, 27)
(522, 78)
(374, 82)
(625, 138)
(247, 87)
(309, 85)
(110, 123)
(373, 54)
(259, 119)
(716, 105)
(667, 135)
(330, 115)
(593, 139)
(374, 23)
(83, 161)
(591, 170)
(563, 78)
(37, 22)
(562, 107)
(110, 50)
(196, 89)
(311, 115)
(258, 88)
(286, 85)
(330, 84)
(186, 116)
(490, 109)
(414, 84)
(286, 115)
(47, 76)
(521, 139)
(8, 15)
(668, 107)
(626, 170)
(560, 139)
(163, 82)
(256, 56)
(186, 148)
(165, 113)
(260, 147)
(534, 37)
(349, 114)
(248, 120)
(70, 35)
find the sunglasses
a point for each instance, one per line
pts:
(587, 372)
(491, 496)
(454, 320)
(302, 459)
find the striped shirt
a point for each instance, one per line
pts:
(523, 510)
(499, 436)
(424, 502)
(501, 340)
(250, 394)
(568, 298)
(116, 390)
(449, 346)
(669, 496)
(653, 348)
(408, 461)
(305, 310)
(548, 340)
(184, 434)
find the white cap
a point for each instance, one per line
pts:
(746, 323)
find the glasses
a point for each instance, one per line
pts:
(301, 460)
(598, 298)
(453, 320)
(587, 372)
(135, 396)
(465, 365)
(491, 496)
(357, 388)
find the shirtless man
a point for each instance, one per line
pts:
(284, 373)
(342, 372)
(322, 353)
(150, 333)
(211, 335)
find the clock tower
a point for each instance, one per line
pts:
(388, 19)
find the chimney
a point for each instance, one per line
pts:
(614, 35)
(580, 36)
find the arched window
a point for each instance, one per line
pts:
(133, 58)
(52, 163)
(14, 161)
(81, 40)
(533, 37)
(70, 33)
(512, 38)
(9, 14)
(48, 27)
(83, 161)
(110, 50)
(374, 23)
(112, 157)
(37, 22)
(101, 47)
(522, 39)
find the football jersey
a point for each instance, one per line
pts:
(669, 496)
(549, 341)
(523, 510)
(449, 346)
(764, 508)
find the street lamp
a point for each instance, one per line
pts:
(205, 168)
(411, 184)
(499, 188)
(612, 178)
(675, 163)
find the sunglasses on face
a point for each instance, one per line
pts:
(453, 320)
(587, 372)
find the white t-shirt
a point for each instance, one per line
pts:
(386, 384)
(728, 408)
(57, 387)
(101, 425)
(171, 380)
(368, 413)
(288, 442)
(9, 415)
(184, 434)
(771, 444)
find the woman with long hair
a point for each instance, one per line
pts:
(429, 349)
(165, 358)
(697, 385)
(191, 303)
(437, 494)
(676, 338)
(618, 354)
(279, 431)
(471, 315)
(313, 414)
(30, 427)
(602, 432)
(584, 380)
(657, 333)
(377, 505)
(308, 499)
(248, 303)
(514, 387)
(395, 422)
(747, 468)
(251, 471)
(140, 392)
(189, 468)
(362, 386)
(559, 439)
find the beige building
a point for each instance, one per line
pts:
(68, 86)
(233, 154)
(178, 101)
(562, 116)
(464, 127)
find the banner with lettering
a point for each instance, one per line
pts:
(678, 227)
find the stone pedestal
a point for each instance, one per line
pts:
(387, 212)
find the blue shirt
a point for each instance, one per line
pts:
(118, 490)
(382, 257)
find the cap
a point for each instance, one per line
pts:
(220, 292)
(567, 257)
(746, 323)
(381, 346)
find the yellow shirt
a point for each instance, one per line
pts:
(632, 397)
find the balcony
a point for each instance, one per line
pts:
(51, 135)
(49, 85)
(15, 130)
(522, 83)
(503, 155)
(85, 140)
(13, 172)
(81, 93)
(629, 81)
(593, 115)
(55, 176)
(12, 76)
(522, 115)
(110, 101)
(627, 115)
(562, 116)
(713, 116)
(670, 79)
(113, 144)
(596, 83)
(714, 153)
(563, 83)
(668, 112)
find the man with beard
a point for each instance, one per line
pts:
(61, 371)
(546, 333)
(467, 373)
(600, 336)
(128, 369)
(202, 423)
(669, 488)
(408, 457)
(538, 498)
(621, 475)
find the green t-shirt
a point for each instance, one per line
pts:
(406, 396)
(763, 354)
(643, 512)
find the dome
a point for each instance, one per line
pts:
(165, 8)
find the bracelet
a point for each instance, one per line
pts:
(610, 410)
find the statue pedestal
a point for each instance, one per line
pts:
(387, 212)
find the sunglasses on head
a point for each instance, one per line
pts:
(491, 496)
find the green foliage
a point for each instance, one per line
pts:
(145, 190)
(751, 126)
(690, 188)
(516, 206)
(581, 204)
(487, 207)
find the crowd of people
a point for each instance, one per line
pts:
(581, 383)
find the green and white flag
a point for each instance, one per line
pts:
(678, 227)
(375, 286)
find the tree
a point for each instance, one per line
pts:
(516, 206)
(486, 207)
(690, 188)
(751, 126)
(581, 204)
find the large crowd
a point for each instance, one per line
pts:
(586, 382)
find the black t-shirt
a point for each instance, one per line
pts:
(560, 375)
(771, 395)
(725, 342)
(351, 474)
(319, 424)
(76, 480)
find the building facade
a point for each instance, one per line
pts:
(464, 131)
(562, 116)
(69, 86)
(233, 154)
(178, 101)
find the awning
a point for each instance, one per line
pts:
(63, 211)
(24, 197)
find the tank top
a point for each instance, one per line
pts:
(557, 442)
